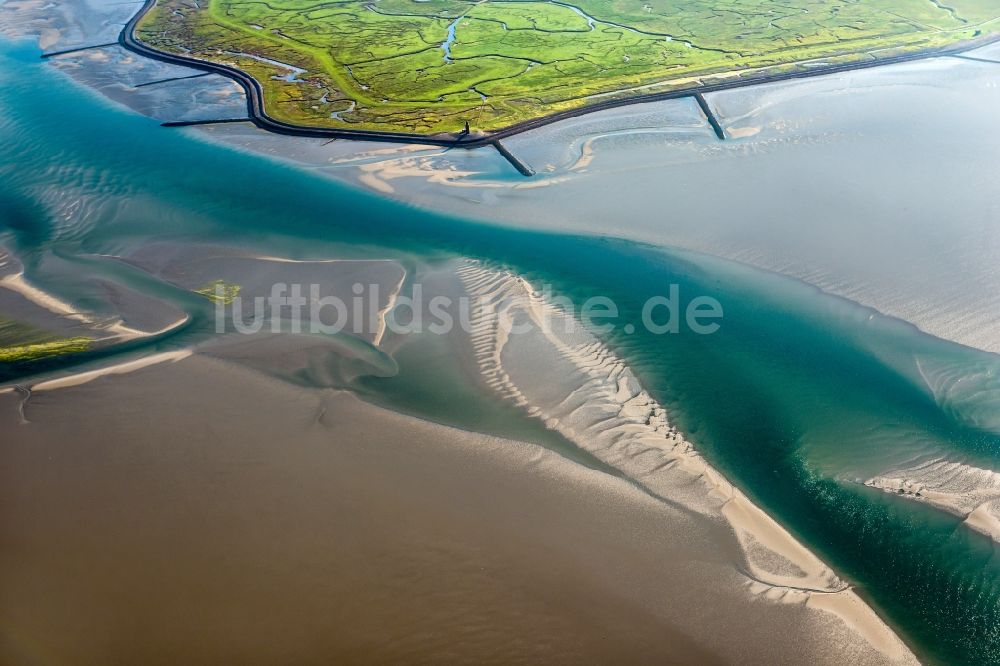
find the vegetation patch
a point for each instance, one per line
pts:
(219, 291)
(21, 353)
(20, 343)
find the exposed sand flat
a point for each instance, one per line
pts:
(960, 489)
(378, 175)
(742, 132)
(376, 183)
(952, 486)
(269, 523)
(579, 388)
(326, 530)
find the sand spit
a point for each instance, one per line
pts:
(565, 376)
(972, 493)
(119, 331)
(286, 260)
(106, 330)
(118, 369)
(16, 283)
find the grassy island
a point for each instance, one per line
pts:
(429, 66)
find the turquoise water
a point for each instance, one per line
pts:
(797, 398)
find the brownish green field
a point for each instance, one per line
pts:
(430, 65)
